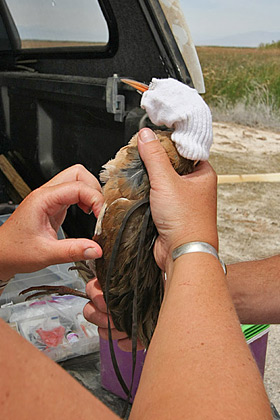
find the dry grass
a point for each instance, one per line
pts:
(35, 43)
(242, 84)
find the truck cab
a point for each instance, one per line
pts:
(61, 97)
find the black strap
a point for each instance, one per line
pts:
(135, 301)
(107, 286)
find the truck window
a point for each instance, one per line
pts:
(59, 23)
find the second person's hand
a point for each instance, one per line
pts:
(96, 312)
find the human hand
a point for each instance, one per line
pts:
(95, 311)
(29, 237)
(183, 207)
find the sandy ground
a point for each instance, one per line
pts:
(248, 213)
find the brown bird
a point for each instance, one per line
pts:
(130, 279)
(133, 269)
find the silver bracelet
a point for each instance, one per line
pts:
(197, 247)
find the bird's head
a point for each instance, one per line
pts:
(179, 107)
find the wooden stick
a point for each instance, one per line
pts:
(15, 179)
(234, 179)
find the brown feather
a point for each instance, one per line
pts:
(126, 183)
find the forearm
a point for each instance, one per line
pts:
(7, 265)
(255, 289)
(33, 385)
(198, 361)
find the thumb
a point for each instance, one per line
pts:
(73, 250)
(154, 157)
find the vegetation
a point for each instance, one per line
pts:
(273, 44)
(242, 84)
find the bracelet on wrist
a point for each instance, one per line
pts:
(191, 247)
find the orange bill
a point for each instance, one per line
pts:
(141, 87)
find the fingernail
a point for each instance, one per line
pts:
(146, 135)
(90, 254)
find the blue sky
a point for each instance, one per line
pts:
(221, 18)
(207, 19)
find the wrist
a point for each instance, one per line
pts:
(212, 240)
(194, 267)
(208, 237)
(203, 230)
(195, 247)
(7, 263)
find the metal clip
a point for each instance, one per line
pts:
(115, 103)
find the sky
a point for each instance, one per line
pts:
(210, 19)
(207, 19)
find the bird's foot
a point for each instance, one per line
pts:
(49, 290)
(86, 270)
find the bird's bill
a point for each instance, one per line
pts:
(140, 87)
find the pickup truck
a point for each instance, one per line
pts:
(62, 101)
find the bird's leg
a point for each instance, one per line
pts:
(86, 269)
(49, 290)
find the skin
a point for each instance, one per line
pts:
(255, 290)
(198, 364)
(251, 284)
(199, 343)
(198, 339)
(29, 237)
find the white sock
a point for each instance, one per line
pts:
(176, 105)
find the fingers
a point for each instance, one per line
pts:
(75, 173)
(94, 292)
(93, 314)
(155, 158)
(96, 310)
(70, 250)
(68, 193)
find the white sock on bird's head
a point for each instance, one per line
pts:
(176, 105)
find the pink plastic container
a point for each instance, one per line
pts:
(109, 379)
(255, 335)
(258, 348)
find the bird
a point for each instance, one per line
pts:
(131, 281)
(126, 233)
(127, 271)
(134, 269)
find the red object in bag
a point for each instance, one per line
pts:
(52, 338)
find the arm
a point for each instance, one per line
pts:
(255, 289)
(33, 386)
(198, 363)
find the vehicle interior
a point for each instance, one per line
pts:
(62, 100)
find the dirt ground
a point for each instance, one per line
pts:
(248, 213)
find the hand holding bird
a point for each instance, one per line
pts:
(131, 280)
(183, 209)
